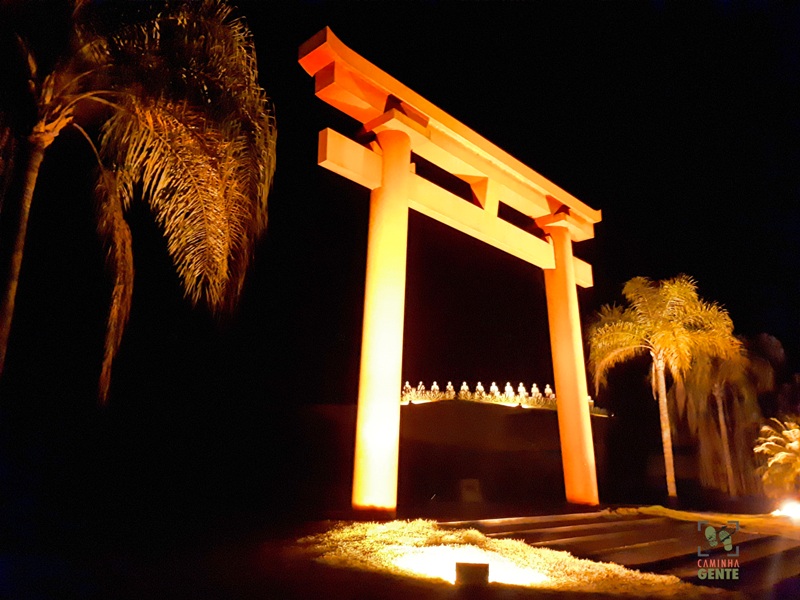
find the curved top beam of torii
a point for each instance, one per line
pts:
(347, 81)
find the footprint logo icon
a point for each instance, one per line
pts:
(725, 538)
(711, 536)
(714, 537)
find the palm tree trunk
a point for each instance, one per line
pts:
(726, 448)
(38, 145)
(666, 432)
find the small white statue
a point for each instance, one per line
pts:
(406, 389)
(450, 391)
(421, 388)
(548, 392)
(494, 390)
(464, 387)
(509, 391)
(535, 393)
(479, 391)
(435, 388)
(521, 391)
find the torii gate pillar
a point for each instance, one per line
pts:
(569, 372)
(378, 421)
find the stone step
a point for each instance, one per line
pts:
(670, 546)
(649, 556)
(512, 524)
(577, 529)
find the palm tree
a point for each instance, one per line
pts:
(732, 385)
(668, 320)
(184, 127)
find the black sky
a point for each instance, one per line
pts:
(678, 120)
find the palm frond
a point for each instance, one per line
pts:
(116, 234)
(693, 395)
(760, 373)
(712, 330)
(17, 104)
(771, 447)
(8, 153)
(615, 338)
(745, 417)
(201, 54)
(611, 313)
(185, 173)
(710, 455)
(677, 293)
(199, 60)
(678, 397)
(642, 295)
(779, 444)
(675, 345)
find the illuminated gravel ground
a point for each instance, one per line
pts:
(421, 549)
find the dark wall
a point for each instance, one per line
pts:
(513, 452)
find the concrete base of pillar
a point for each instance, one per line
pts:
(373, 514)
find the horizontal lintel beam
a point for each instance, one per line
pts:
(341, 155)
(349, 159)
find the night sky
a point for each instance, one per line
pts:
(678, 120)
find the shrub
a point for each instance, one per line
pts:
(779, 443)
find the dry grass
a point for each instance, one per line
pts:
(422, 549)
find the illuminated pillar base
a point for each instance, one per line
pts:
(373, 514)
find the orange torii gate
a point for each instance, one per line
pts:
(402, 121)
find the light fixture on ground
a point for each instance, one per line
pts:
(790, 508)
(472, 573)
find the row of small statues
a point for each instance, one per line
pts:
(420, 393)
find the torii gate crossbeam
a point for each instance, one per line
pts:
(402, 122)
